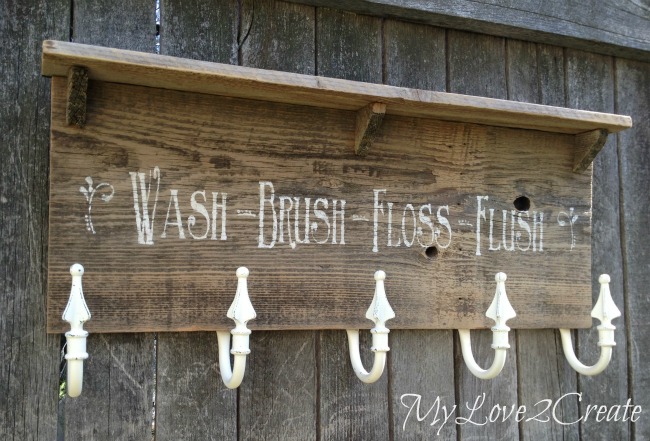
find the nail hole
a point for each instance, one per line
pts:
(431, 252)
(522, 203)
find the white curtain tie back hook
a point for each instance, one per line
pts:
(76, 313)
(379, 312)
(605, 311)
(500, 311)
(240, 311)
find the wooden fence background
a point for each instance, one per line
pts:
(299, 385)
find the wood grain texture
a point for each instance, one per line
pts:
(199, 30)
(588, 145)
(535, 73)
(279, 397)
(416, 162)
(157, 71)
(29, 358)
(590, 84)
(608, 27)
(117, 400)
(368, 125)
(477, 65)
(349, 46)
(77, 95)
(633, 96)
(421, 363)
(192, 403)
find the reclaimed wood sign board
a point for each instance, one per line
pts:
(178, 172)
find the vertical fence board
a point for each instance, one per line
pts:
(590, 86)
(278, 396)
(421, 363)
(476, 66)
(192, 403)
(633, 98)
(29, 371)
(116, 403)
(349, 46)
(536, 75)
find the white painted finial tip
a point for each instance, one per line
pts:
(380, 275)
(77, 270)
(242, 271)
(500, 277)
(604, 278)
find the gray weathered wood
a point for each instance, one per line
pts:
(608, 27)
(476, 66)
(192, 403)
(349, 46)
(536, 75)
(117, 400)
(29, 360)
(279, 397)
(200, 30)
(589, 85)
(633, 96)
(421, 363)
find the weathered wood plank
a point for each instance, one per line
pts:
(279, 396)
(463, 172)
(199, 30)
(535, 73)
(476, 65)
(349, 46)
(29, 360)
(116, 403)
(421, 363)
(607, 27)
(192, 403)
(221, 79)
(633, 96)
(590, 84)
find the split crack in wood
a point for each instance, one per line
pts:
(77, 96)
(369, 120)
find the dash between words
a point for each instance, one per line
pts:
(292, 220)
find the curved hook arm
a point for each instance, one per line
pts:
(76, 313)
(500, 311)
(379, 312)
(241, 311)
(605, 311)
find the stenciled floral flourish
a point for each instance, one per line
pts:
(89, 193)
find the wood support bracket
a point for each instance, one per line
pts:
(588, 144)
(369, 120)
(77, 94)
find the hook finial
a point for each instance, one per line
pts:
(500, 311)
(379, 312)
(76, 313)
(605, 311)
(241, 311)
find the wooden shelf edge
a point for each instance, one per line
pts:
(137, 68)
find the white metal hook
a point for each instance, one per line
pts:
(605, 310)
(500, 311)
(76, 313)
(241, 311)
(379, 312)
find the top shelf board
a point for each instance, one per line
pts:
(128, 67)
